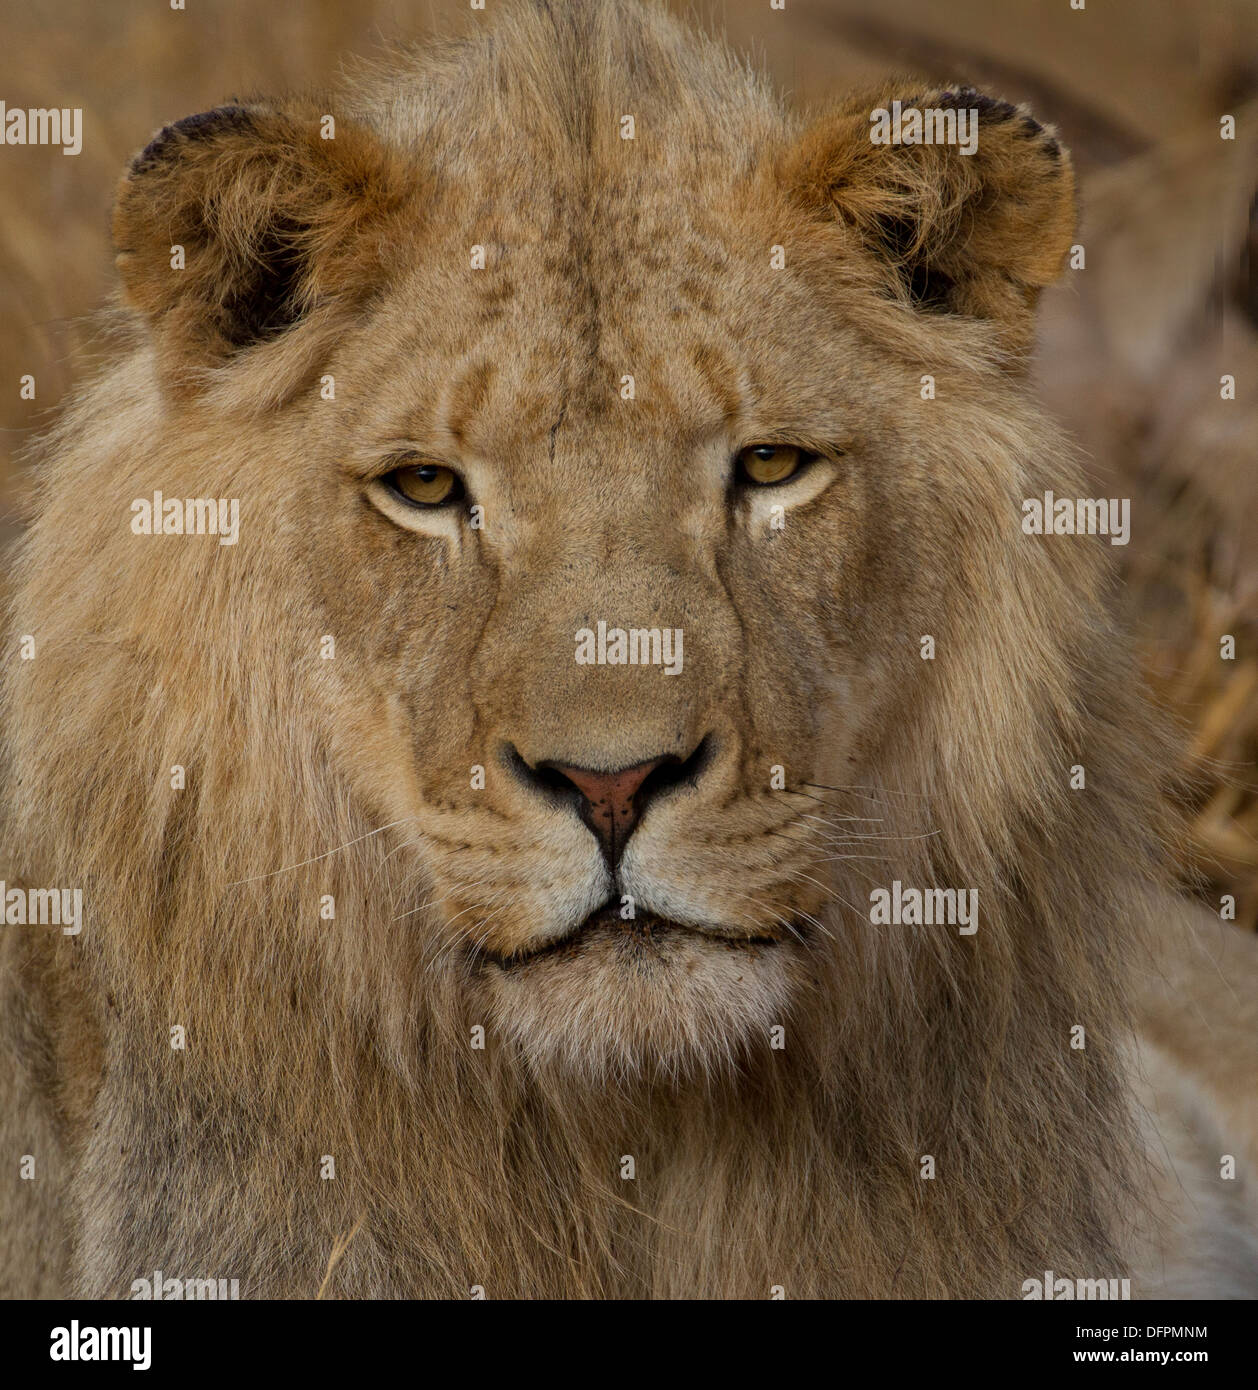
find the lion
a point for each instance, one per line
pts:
(419, 957)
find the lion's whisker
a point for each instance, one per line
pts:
(288, 868)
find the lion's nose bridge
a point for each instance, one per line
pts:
(600, 667)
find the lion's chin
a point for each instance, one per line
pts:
(648, 998)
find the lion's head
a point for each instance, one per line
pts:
(629, 578)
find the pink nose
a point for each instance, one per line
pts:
(610, 804)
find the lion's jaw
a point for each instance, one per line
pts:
(649, 970)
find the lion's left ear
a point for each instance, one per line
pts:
(974, 222)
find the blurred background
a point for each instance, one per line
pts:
(1132, 347)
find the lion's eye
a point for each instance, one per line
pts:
(426, 484)
(766, 464)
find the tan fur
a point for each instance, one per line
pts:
(501, 1168)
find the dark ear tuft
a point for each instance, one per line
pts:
(977, 234)
(165, 143)
(970, 99)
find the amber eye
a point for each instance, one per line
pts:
(426, 484)
(766, 464)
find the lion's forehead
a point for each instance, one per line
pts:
(622, 256)
(646, 313)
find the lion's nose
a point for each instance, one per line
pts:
(611, 803)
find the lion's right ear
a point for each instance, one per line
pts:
(975, 225)
(235, 224)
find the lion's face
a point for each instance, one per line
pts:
(626, 518)
(577, 507)
(679, 930)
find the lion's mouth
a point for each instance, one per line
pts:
(644, 933)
